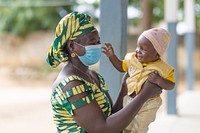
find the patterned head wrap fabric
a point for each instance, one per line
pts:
(70, 27)
(159, 38)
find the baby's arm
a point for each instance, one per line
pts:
(109, 52)
(155, 78)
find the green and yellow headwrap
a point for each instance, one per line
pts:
(70, 27)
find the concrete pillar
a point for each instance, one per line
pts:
(190, 42)
(171, 7)
(113, 29)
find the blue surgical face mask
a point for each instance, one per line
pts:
(92, 54)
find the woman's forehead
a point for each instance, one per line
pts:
(90, 37)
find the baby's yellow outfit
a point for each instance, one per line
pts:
(138, 75)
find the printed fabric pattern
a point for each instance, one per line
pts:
(63, 109)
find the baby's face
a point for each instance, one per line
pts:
(145, 52)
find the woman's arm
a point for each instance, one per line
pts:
(91, 117)
(119, 103)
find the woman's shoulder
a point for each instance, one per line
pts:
(67, 82)
(97, 74)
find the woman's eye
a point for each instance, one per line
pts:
(94, 43)
(99, 42)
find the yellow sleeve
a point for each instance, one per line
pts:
(170, 76)
(124, 67)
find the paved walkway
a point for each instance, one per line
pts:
(187, 119)
(27, 110)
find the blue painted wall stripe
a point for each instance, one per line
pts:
(172, 60)
(190, 45)
(113, 29)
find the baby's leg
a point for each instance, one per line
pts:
(146, 115)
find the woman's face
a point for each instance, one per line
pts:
(145, 52)
(88, 39)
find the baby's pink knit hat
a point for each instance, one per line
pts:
(159, 37)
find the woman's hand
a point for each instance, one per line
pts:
(150, 90)
(108, 50)
(154, 77)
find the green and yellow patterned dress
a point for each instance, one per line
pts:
(63, 109)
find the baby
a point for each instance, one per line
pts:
(145, 64)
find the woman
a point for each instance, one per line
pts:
(80, 99)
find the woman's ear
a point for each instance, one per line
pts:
(70, 46)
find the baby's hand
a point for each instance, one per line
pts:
(154, 77)
(108, 50)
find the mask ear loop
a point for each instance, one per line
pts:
(74, 53)
(79, 44)
(93, 46)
